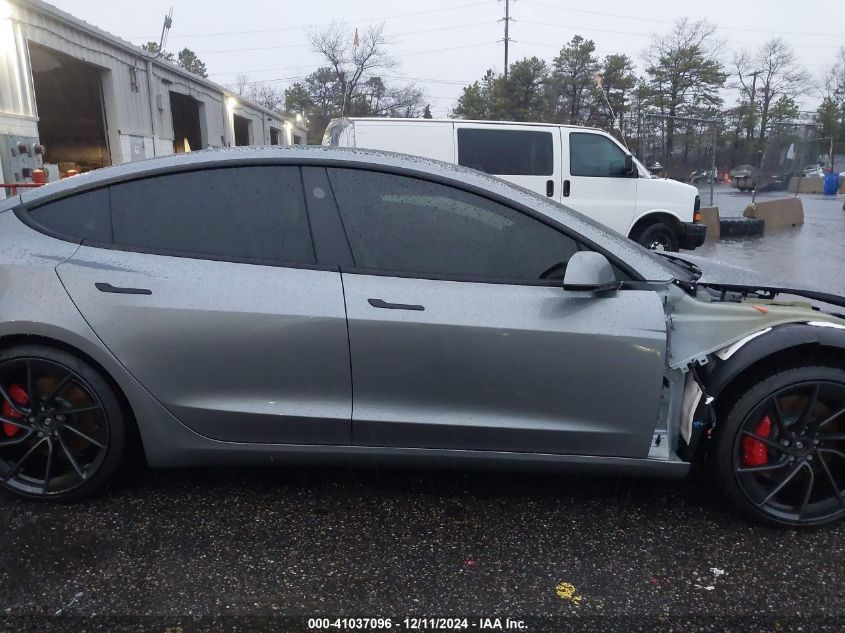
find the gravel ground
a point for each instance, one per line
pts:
(226, 549)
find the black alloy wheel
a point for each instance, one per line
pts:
(61, 428)
(787, 454)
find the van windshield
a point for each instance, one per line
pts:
(644, 173)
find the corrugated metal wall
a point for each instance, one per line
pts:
(135, 104)
(15, 91)
(213, 106)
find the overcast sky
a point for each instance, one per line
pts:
(444, 45)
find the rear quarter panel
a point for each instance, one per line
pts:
(34, 307)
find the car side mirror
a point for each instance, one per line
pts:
(590, 272)
(630, 168)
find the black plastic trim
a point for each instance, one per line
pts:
(825, 297)
(692, 235)
(106, 287)
(549, 283)
(207, 452)
(381, 303)
(331, 245)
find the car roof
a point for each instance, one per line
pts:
(233, 156)
(647, 265)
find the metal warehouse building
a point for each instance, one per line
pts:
(77, 98)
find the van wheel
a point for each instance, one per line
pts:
(659, 237)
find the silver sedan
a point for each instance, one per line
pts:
(308, 305)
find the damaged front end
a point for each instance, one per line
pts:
(719, 332)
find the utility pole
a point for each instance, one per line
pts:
(750, 134)
(507, 39)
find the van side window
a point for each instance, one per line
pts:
(506, 152)
(595, 155)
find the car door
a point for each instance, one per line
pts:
(595, 182)
(521, 154)
(462, 337)
(204, 285)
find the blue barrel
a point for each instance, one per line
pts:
(831, 184)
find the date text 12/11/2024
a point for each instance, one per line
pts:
(416, 624)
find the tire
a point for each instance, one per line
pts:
(659, 236)
(77, 439)
(791, 479)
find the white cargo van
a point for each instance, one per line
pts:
(583, 168)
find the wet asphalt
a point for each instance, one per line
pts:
(249, 550)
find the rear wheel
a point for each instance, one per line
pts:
(62, 429)
(659, 237)
(780, 451)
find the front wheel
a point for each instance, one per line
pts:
(780, 451)
(659, 237)
(62, 429)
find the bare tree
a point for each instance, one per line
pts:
(241, 84)
(834, 80)
(353, 64)
(259, 92)
(266, 95)
(767, 75)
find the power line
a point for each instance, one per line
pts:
(576, 28)
(453, 48)
(277, 46)
(455, 82)
(307, 26)
(644, 19)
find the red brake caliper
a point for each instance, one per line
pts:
(754, 452)
(18, 394)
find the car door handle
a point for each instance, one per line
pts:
(550, 188)
(103, 287)
(566, 186)
(379, 303)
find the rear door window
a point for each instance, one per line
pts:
(252, 213)
(84, 216)
(506, 152)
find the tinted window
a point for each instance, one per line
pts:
(402, 224)
(506, 152)
(595, 155)
(254, 213)
(84, 216)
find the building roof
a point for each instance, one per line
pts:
(129, 47)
